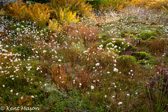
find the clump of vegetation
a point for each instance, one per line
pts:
(38, 13)
(24, 50)
(126, 63)
(157, 90)
(117, 45)
(54, 25)
(76, 6)
(87, 33)
(141, 55)
(146, 34)
(2, 12)
(158, 46)
(104, 5)
(151, 3)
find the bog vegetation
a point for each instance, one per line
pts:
(84, 55)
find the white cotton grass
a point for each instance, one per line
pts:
(115, 70)
(32, 96)
(120, 103)
(97, 64)
(59, 60)
(92, 87)
(73, 81)
(80, 84)
(11, 90)
(108, 72)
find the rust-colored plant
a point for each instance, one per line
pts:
(87, 33)
(157, 47)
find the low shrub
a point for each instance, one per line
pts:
(65, 16)
(76, 6)
(38, 13)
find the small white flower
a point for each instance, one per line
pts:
(3, 85)
(17, 94)
(11, 76)
(105, 96)
(94, 80)
(113, 96)
(44, 51)
(37, 68)
(120, 103)
(115, 70)
(73, 81)
(21, 97)
(92, 87)
(32, 96)
(97, 64)
(128, 94)
(11, 90)
(59, 60)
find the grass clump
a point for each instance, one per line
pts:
(126, 63)
(146, 34)
(116, 45)
(106, 5)
(141, 55)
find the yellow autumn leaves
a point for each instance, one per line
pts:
(38, 13)
(55, 14)
(151, 3)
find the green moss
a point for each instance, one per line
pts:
(145, 34)
(141, 55)
(152, 38)
(106, 42)
(104, 37)
(126, 63)
(127, 58)
(134, 48)
(123, 34)
(145, 62)
(116, 44)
